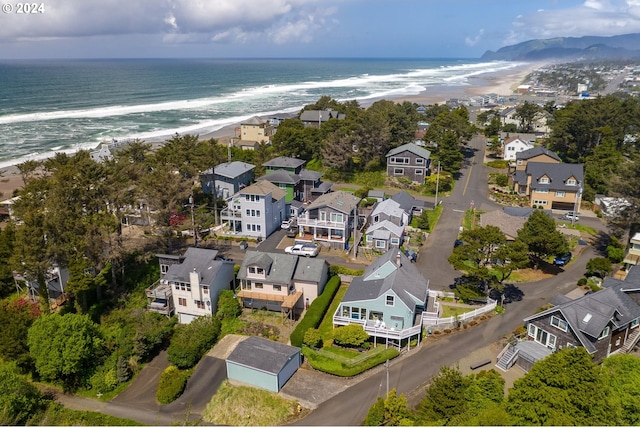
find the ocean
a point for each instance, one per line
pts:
(48, 106)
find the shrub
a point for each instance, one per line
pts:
(312, 338)
(342, 368)
(582, 281)
(615, 254)
(502, 180)
(190, 342)
(228, 305)
(316, 311)
(334, 270)
(171, 385)
(350, 336)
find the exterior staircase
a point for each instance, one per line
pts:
(631, 341)
(507, 357)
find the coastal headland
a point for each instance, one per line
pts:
(502, 83)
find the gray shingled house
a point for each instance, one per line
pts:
(604, 323)
(330, 218)
(229, 178)
(409, 160)
(263, 363)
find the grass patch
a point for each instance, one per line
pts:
(370, 179)
(58, 415)
(326, 327)
(451, 310)
(343, 352)
(334, 364)
(497, 164)
(248, 406)
(580, 227)
(347, 189)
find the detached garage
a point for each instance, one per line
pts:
(263, 363)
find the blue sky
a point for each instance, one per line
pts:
(300, 28)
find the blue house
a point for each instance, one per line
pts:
(387, 300)
(229, 177)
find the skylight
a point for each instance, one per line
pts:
(587, 318)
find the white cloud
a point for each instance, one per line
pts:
(592, 17)
(178, 21)
(473, 41)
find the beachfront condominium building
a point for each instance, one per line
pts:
(256, 129)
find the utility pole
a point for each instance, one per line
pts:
(193, 221)
(355, 232)
(437, 182)
(386, 364)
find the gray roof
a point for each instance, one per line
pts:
(309, 175)
(508, 224)
(254, 121)
(516, 211)
(405, 200)
(378, 194)
(231, 169)
(279, 267)
(263, 188)
(387, 226)
(384, 275)
(323, 187)
(262, 354)
(284, 162)
(280, 176)
(418, 151)
(342, 201)
(590, 314)
(536, 151)
(309, 269)
(630, 283)
(558, 174)
(201, 260)
(389, 207)
(320, 115)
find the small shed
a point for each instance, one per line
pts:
(262, 363)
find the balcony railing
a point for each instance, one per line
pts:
(314, 222)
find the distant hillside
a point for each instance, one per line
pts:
(589, 47)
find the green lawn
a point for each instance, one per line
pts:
(449, 310)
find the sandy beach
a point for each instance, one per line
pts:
(502, 83)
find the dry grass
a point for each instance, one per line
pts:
(248, 406)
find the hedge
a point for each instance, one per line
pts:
(190, 342)
(341, 368)
(334, 270)
(172, 383)
(316, 311)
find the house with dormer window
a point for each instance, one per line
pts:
(514, 145)
(330, 218)
(605, 322)
(533, 155)
(387, 300)
(551, 185)
(410, 161)
(280, 282)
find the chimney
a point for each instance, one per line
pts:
(398, 259)
(194, 279)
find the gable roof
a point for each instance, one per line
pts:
(284, 162)
(320, 115)
(384, 275)
(536, 151)
(263, 188)
(201, 260)
(279, 268)
(309, 269)
(386, 225)
(516, 139)
(342, 201)
(280, 176)
(558, 174)
(254, 121)
(389, 207)
(418, 151)
(590, 314)
(309, 175)
(262, 354)
(405, 200)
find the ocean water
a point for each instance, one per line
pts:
(68, 105)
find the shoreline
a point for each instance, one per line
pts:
(501, 83)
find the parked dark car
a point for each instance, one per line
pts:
(562, 259)
(292, 232)
(457, 243)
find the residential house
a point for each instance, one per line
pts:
(633, 253)
(386, 225)
(56, 279)
(280, 282)
(262, 363)
(300, 184)
(229, 178)
(256, 129)
(604, 323)
(312, 185)
(6, 208)
(535, 155)
(256, 210)
(330, 218)
(286, 181)
(289, 164)
(387, 300)
(106, 151)
(551, 185)
(409, 161)
(317, 117)
(193, 282)
(514, 145)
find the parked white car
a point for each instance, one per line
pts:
(570, 216)
(302, 249)
(287, 223)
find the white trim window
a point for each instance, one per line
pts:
(605, 333)
(560, 193)
(571, 182)
(381, 244)
(418, 171)
(398, 171)
(419, 160)
(559, 323)
(542, 190)
(389, 300)
(544, 180)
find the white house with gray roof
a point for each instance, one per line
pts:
(262, 363)
(280, 282)
(194, 281)
(409, 160)
(387, 300)
(330, 218)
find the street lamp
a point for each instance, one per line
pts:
(575, 205)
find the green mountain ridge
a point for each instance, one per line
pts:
(624, 46)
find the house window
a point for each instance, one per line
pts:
(544, 180)
(389, 300)
(376, 218)
(542, 190)
(277, 288)
(258, 227)
(398, 171)
(345, 311)
(248, 212)
(605, 333)
(323, 216)
(380, 244)
(539, 202)
(164, 268)
(260, 270)
(375, 315)
(551, 342)
(199, 304)
(569, 345)
(258, 285)
(419, 161)
(258, 214)
(205, 290)
(369, 238)
(182, 302)
(634, 323)
(560, 193)
(519, 162)
(336, 217)
(532, 330)
(571, 182)
(252, 270)
(559, 323)
(395, 241)
(418, 171)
